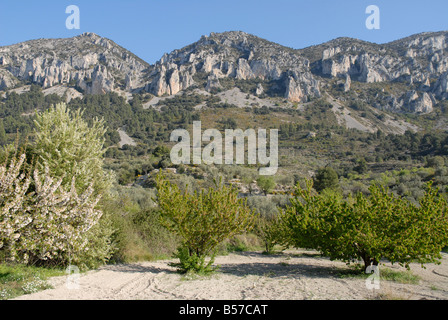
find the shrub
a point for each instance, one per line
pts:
(267, 226)
(161, 151)
(56, 215)
(326, 178)
(40, 219)
(270, 231)
(435, 162)
(190, 261)
(202, 220)
(266, 183)
(138, 234)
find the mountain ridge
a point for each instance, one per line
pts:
(95, 65)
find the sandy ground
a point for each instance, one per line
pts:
(250, 275)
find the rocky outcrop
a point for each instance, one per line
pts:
(293, 91)
(89, 61)
(235, 55)
(343, 65)
(213, 81)
(266, 69)
(97, 65)
(169, 80)
(420, 56)
(420, 61)
(260, 90)
(441, 86)
(330, 52)
(100, 81)
(6, 79)
(418, 103)
(365, 67)
(301, 86)
(411, 102)
(243, 70)
(348, 83)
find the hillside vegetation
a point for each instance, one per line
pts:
(356, 144)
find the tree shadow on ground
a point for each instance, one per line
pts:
(282, 267)
(278, 265)
(139, 268)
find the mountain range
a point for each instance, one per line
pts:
(409, 75)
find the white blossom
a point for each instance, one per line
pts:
(47, 222)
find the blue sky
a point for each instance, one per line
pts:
(152, 27)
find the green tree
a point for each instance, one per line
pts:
(202, 220)
(161, 151)
(266, 183)
(326, 178)
(361, 166)
(435, 162)
(381, 225)
(70, 147)
(40, 220)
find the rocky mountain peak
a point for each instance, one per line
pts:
(236, 55)
(87, 61)
(95, 65)
(89, 35)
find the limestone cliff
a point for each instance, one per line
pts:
(416, 67)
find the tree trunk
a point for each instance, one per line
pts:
(368, 261)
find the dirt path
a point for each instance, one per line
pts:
(288, 276)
